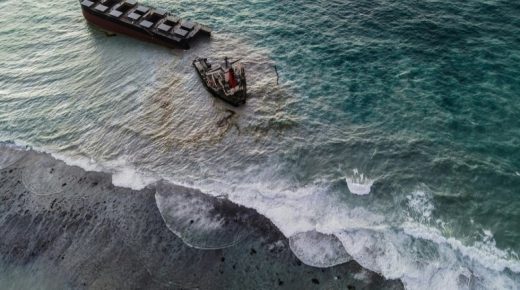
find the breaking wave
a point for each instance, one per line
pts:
(358, 183)
(322, 230)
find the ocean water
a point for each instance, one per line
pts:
(391, 137)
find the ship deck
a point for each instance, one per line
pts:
(148, 23)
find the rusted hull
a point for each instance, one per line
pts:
(132, 31)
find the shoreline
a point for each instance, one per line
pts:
(77, 230)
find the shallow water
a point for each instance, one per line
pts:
(394, 126)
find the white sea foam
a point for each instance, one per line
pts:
(318, 250)
(484, 252)
(420, 255)
(197, 219)
(420, 204)
(123, 174)
(358, 183)
(87, 164)
(417, 254)
(421, 263)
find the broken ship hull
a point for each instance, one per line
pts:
(232, 101)
(123, 25)
(134, 32)
(204, 71)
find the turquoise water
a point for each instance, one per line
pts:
(394, 127)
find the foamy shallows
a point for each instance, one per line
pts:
(12, 153)
(323, 233)
(199, 220)
(318, 250)
(125, 175)
(358, 183)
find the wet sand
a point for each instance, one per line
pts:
(64, 228)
